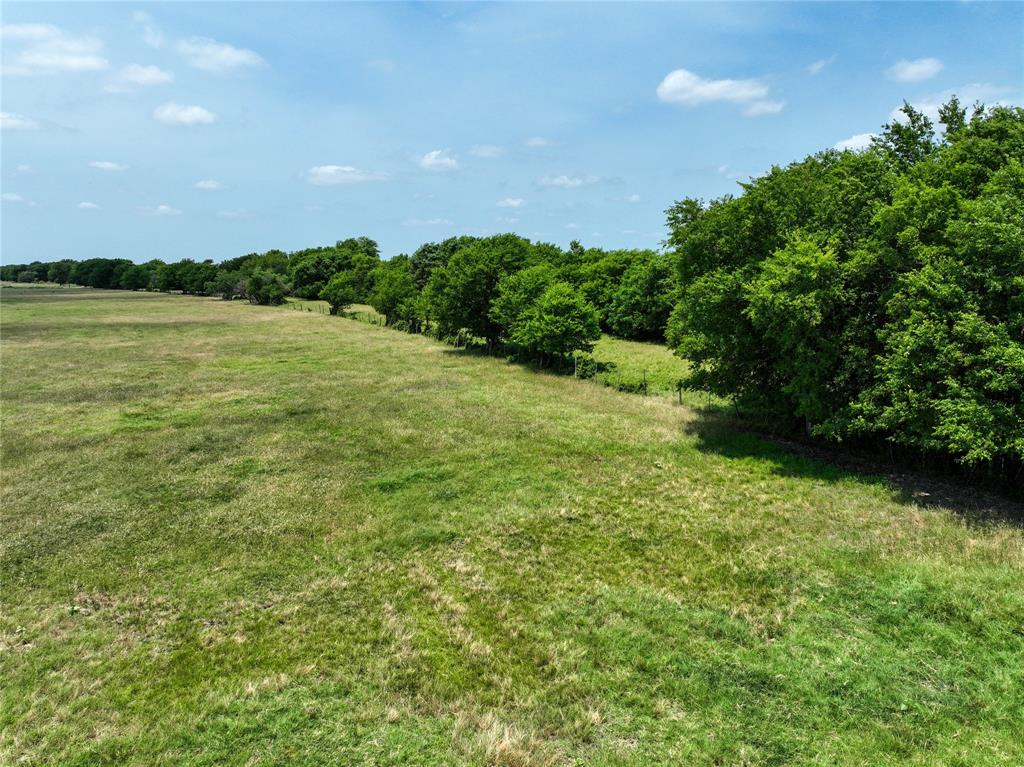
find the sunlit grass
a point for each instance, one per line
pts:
(248, 535)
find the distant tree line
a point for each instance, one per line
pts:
(533, 300)
(870, 297)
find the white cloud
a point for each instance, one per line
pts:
(507, 220)
(88, 206)
(209, 185)
(137, 75)
(487, 151)
(759, 108)
(329, 175)
(817, 67)
(855, 143)
(180, 114)
(211, 56)
(23, 168)
(633, 198)
(537, 141)
(160, 210)
(426, 222)
(12, 121)
(511, 202)
(107, 165)
(684, 87)
(914, 70)
(568, 182)
(968, 94)
(11, 197)
(150, 34)
(439, 159)
(572, 226)
(314, 208)
(237, 213)
(44, 49)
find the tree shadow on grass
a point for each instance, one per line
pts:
(722, 435)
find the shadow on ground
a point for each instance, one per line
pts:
(723, 436)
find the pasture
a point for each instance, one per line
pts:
(241, 535)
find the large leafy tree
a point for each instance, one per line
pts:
(341, 291)
(394, 292)
(517, 294)
(460, 293)
(875, 294)
(558, 323)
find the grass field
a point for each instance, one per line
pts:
(236, 535)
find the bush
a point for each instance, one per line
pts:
(266, 288)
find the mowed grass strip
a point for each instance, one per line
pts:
(240, 535)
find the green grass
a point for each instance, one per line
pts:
(237, 535)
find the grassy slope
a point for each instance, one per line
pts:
(238, 535)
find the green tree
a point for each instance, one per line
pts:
(558, 323)
(266, 288)
(394, 292)
(459, 295)
(641, 304)
(228, 284)
(60, 271)
(136, 277)
(517, 294)
(342, 291)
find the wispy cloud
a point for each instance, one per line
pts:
(151, 35)
(44, 49)
(759, 108)
(818, 66)
(568, 182)
(633, 198)
(160, 210)
(181, 114)
(427, 222)
(11, 197)
(330, 175)
(88, 206)
(855, 143)
(107, 165)
(212, 56)
(13, 121)
(236, 213)
(686, 88)
(914, 70)
(487, 151)
(209, 184)
(511, 202)
(139, 76)
(537, 141)
(439, 159)
(968, 93)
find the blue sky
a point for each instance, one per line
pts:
(208, 130)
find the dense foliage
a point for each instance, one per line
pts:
(874, 295)
(530, 299)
